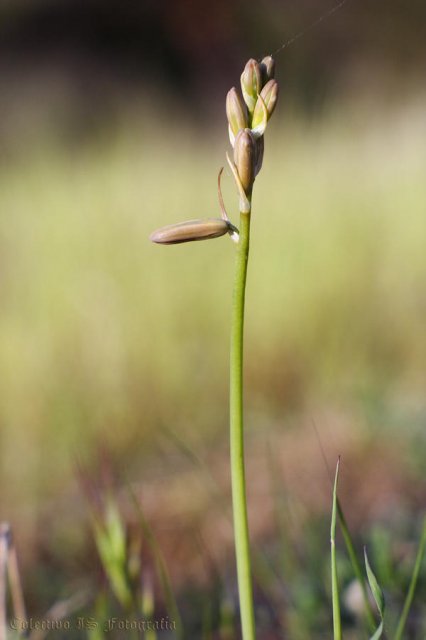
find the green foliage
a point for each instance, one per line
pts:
(413, 583)
(337, 623)
(110, 538)
(378, 596)
(300, 607)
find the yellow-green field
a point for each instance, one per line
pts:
(108, 340)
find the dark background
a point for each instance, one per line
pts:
(91, 58)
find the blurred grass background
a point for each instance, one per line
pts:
(109, 341)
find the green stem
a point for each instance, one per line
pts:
(337, 625)
(239, 500)
(413, 583)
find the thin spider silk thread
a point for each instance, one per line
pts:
(314, 24)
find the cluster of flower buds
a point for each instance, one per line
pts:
(248, 117)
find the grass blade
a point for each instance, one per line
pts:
(413, 583)
(4, 549)
(350, 547)
(110, 539)
(378, 597)
(356, 566)
(337, 624)
(148, 605)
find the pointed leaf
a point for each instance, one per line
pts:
(377, 595)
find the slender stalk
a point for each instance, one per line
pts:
(239, 500)
(337, 625)
(4, 550)
(413, 584)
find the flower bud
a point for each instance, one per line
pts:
(260, 147)
(236, 111)
(269, 96)
(192, 230)
(251, 83)
(267, 67)
(245, 158)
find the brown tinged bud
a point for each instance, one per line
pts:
(268, 98)
(236, 112)
(245, 158)
(260, 147)
(251, 83)
(267, 67)
(192, 230)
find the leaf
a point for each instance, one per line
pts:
(413, 584)
(377, 595)
(337, 625)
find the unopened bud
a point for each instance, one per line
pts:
(236, 111)
(245, 158)
(268, 98)
(267, 67)
(260, 147)
(192, 230)
(251, 83)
